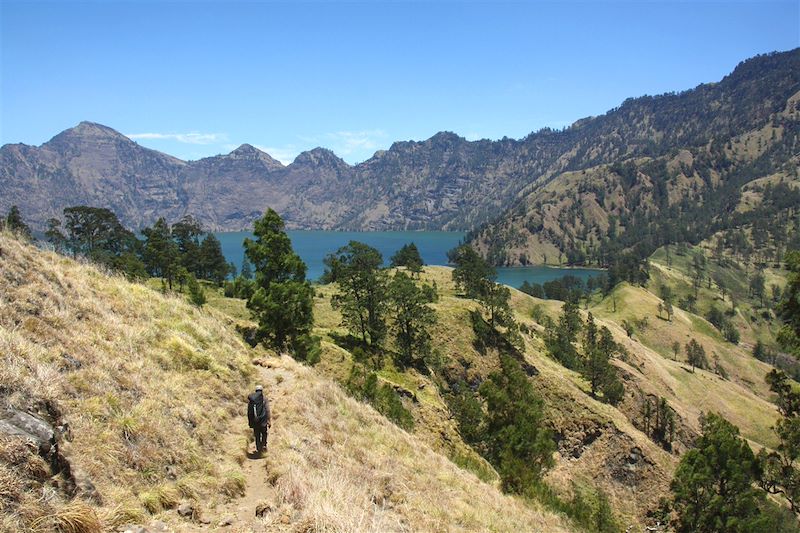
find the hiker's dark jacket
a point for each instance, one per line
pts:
(258, 410)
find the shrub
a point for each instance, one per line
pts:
(730, 333)
(196, 294)
(363, 385)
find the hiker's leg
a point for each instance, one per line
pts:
(264, 437)
(259, 442)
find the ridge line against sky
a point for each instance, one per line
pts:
(195, 79)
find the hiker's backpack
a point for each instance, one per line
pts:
(256, 408)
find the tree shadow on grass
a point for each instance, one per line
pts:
(347, 341)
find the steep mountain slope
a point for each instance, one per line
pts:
(147, 396)
(93, 165)
(444, 182)
(599, 446)
(647, 198)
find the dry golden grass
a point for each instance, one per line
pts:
(156, 414)
(153, 391)
(571, 410)
(74, 517)
(335, 464)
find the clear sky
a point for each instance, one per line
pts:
(199, 78)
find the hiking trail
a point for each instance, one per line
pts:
(239, 514)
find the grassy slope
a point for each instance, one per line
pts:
(597, 441)
(550, 203)
(156, 411)
(690, 394)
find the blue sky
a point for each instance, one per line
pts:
(199, 78)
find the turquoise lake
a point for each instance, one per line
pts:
(314, 245)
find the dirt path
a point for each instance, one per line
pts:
(239, 515)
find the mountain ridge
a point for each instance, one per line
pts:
(444, 182)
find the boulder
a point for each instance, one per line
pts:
(46, 439)
(263, 509)
(187, 510)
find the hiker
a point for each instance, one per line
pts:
(259, 417)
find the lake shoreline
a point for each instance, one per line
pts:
(313, 245)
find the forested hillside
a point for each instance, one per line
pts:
(727, 179)
(586, 404)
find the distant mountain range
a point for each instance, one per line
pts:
(444, 182)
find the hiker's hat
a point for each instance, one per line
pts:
(259, 387)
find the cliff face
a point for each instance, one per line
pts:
(444, 182)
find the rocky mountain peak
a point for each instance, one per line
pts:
(91, 130)
(250, 152)
(319, 158)
(86, 134)
(446, 137)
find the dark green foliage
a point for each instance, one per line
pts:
(365, 386)
(411, 319)
(408, 256)
(716, 317)
(516, 440)
(591, 509)
(560, 339)
(247, 269)
(186, 233)
(92, 231)
(494, 298)
(54, 235)
(196, 293)
(720, 321)
(789, 308)
(760, 351)
(283, 310)
(758, 287)
(271, 254)
(588, 507)
(471, 270)
(212, 263)
(240, 287)
(713, 488)
(629, 327)
(182, 277)
(467, 411)
(698, 271)
(567, 287)
(730, 333)
(658, 421)
(282, 302)
(161, 254)
(97, 234)
(696, 355)
(129, 264)
(533, 289)
(598, 348)
(362, 292)
(306, 348)
(15, 224)
(781, 469)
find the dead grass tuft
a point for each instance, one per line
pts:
(74, 517)
(122, 514)
(234, 484)
(159, 499)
